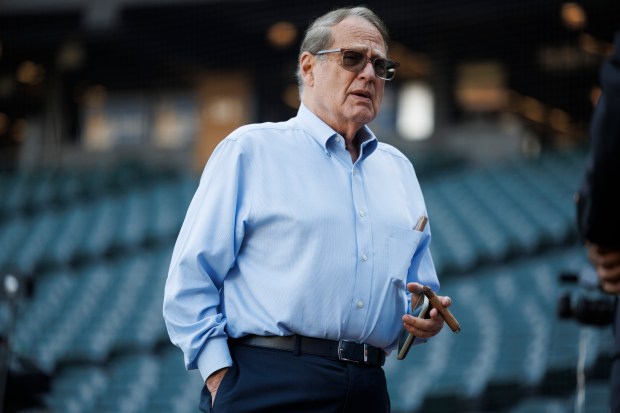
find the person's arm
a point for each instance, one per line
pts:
(599, 201)
(205, 250)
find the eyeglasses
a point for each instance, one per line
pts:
(355, 62)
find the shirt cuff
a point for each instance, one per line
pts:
(214, 356)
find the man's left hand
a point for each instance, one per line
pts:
(429, 327)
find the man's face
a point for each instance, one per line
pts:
(340, 97)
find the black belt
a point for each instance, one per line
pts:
(344, 350)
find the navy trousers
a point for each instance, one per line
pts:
(277, 381)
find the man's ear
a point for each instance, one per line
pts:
(306, 65)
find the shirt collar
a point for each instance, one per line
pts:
(322, 132)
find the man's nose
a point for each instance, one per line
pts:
(368, 70)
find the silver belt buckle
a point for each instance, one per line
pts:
(341, 351)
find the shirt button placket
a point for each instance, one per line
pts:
(363, 282)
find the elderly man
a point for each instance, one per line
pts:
(288, 282)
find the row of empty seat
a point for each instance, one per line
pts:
(86, 314)
(90, 229)
(35, 189)
(153, 382)
(490, 214)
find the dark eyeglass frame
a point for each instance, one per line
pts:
(379, 64)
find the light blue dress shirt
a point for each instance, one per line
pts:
(285, 235)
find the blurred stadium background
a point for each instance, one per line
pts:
(109, 110)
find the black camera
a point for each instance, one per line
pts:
(588, 304)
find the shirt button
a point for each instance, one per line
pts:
(338, 139)
(360, 304)
(362, 213)
(364, 257)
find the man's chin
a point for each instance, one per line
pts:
(362, 115)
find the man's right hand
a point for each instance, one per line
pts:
(213, 382)
(424, 328)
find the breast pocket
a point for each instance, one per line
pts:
(402, 244)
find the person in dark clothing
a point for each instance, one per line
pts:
(599, 199)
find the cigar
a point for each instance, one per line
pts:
(445, 313)
(421, 224)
